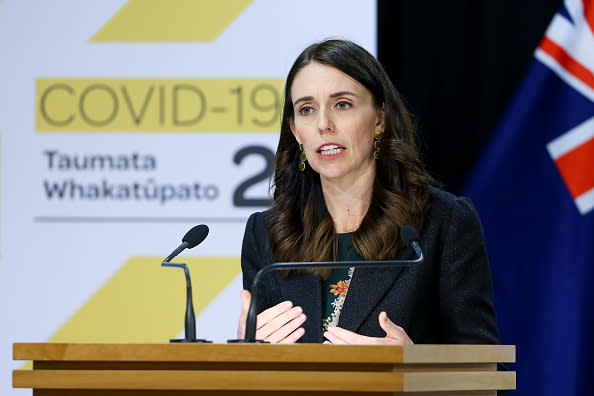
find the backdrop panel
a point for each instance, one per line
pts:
(122, 125)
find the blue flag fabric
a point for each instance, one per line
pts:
(534, 190)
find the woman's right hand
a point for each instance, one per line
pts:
(278, 324)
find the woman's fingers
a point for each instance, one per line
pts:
(282, 322)
(246, 298)
(293, 337)
(394, 334)
(269, 314)
(278, 324)
(393, 331)
(338, 335)
(286, 330)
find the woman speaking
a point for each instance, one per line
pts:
(348, 177)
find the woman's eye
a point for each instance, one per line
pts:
(343, 105)
(305, 110)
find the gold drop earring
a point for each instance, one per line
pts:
(377, 140)
(302, 158)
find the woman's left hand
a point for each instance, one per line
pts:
(395, 335)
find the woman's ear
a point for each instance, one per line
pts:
(380, 124)
(294, 130)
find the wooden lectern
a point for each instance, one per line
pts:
(254, 369)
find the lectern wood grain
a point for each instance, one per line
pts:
(209, 369)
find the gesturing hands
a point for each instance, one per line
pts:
(278, 324)
(282, 324)
(394, 335)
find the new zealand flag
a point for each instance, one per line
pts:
(534, 190)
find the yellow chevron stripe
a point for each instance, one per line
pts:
(144, 302)
(170, 20)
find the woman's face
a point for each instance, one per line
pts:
(335, 121)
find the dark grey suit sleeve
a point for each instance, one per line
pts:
(254, 256)
(250, 258)
(466, 289)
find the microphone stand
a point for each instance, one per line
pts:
(250, 324)
(190, 320)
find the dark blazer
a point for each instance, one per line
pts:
(447, 299)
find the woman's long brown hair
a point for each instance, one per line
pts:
(300, 227)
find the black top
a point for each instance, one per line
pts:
(335, 288)
(446, 299)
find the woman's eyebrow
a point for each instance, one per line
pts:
(303, 99)
(343, 93)
(334, 95)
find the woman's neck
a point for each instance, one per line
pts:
(348, 203)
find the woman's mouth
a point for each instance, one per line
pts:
(330, 151)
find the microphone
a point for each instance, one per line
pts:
(411, 237)
(408, 234)
(192, 238)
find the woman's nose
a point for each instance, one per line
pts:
(325, 121)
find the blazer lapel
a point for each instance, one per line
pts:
(305, 290)
(368, 287)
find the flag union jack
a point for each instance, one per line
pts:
(568, 50)
(533, 187)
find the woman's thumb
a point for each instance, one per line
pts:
(246, 298)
